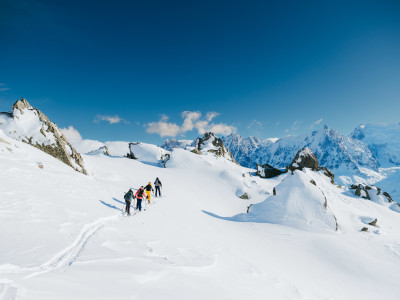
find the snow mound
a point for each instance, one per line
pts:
(101, 150)
(148, 153)
(298, 203)
(375, 194)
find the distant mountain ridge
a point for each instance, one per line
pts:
(333, 149)
(362, 153)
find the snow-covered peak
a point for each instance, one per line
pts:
(383, 140)
(210, 143)
(28, 124)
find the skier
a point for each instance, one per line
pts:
(158, 185)
(139, 196)
(128, 198)
(149, 189)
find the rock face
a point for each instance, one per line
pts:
(267, 171)
(30, 125)
(328, 173)
(211, 143)
(304, 158)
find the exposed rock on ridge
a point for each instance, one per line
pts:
(28, 124)
(211, 143)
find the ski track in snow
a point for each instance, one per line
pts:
(66, 257)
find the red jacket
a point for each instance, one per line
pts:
(143, 194)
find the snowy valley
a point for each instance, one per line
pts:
(219, 231)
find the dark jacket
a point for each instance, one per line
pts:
(137, 195)
(157, 183)
(148, 188)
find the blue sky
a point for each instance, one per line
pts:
(139, 70)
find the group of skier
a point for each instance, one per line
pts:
(141, 194)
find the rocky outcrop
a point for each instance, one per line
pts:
(28, 124)
(212, 144)
(245, 196)
(304, 158)
(371, 193)
(196, 151)
(267, 171)
(386, 194)
(328, 173)
(148, 153)
(101, 150)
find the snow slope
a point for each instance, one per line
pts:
(66, 237)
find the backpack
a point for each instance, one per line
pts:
(140, 194)
(127, 196)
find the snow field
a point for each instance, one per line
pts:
(66, 237)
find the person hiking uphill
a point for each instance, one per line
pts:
(128, 198)
(149, 189)
(158, 186)
(139, 196)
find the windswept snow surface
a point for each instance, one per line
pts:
(64, 236)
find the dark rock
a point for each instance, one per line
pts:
(164, 158)
(313, 182)
(267, 171)
(219, 150)
(358, 189)
(248, 208)
(304, 158)
(244, 196)
(367, 187)
(386, 194)
(328, 173)
(373, 223)
(365, 229)
(196, 151)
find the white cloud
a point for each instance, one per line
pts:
(191, 120)
(211, 115)
(110, 119)
(255, 123)
(3, 87)
(222, 128)
(294, 126)
(316, 123)
(71, 134)
(163, 128)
